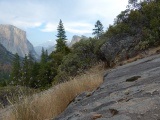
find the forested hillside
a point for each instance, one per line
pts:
(5, 64)
(139, 19)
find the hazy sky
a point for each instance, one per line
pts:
(40, 18)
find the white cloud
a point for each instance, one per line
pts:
(50, 27)
(18, 12)
(76, 31)
(72, 27)
(21, 14)
(26, 24)
(79, 27)
(78, 16)
(104, 10)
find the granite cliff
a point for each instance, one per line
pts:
(15, 41)
(76, 39)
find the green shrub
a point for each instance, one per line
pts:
(83, 55)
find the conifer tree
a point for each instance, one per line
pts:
(25, 72)
(43, 76)
(61, 38)
(44, 56)
(31, 71)
(98, 31)
(15, 74)
(34, 77)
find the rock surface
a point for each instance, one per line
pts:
(76, 39)
(129, 92)
(119, 48)
(15, 41)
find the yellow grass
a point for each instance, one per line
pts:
(52, 102)
(145, 53)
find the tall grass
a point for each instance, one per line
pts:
(50, 103)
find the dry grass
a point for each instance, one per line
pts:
(146, 53)
(133, 59)
(52, 102)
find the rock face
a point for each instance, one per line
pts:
(129, 92)
(76, 38)
(119, 47)
(15, 41)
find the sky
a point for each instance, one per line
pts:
(40, 18)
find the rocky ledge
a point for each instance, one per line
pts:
(129, 92)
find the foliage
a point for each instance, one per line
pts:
(61, 37)
(98, 30)
(46, 71)
(61, 31)
(141, 18)
(15, 74)
(30, 73)
(84, 54)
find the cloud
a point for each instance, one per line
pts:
(21, 14)
(79, 27)
(26, 24)
(24, 12)
(79, 31)
(78, 16)
(49, 27)
(72, 27)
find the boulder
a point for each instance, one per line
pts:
(119, 47)
(76, 39)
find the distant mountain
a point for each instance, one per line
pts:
(51, 49)
(76, 39)
(15, 41)
(48, 45)
(38, 50)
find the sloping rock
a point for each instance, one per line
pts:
(119, 47)
(15, 41)
(119, 98)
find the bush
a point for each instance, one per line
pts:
(83, 55)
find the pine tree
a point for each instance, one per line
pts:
(61, 41)
(31, 70)
(43, 76)
(61, 31)
(15, 74)
(46, 53)
(25, 72)
(34, 77)
(30, 59)
(44, 56)
(98, 31)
